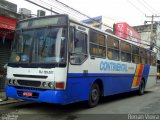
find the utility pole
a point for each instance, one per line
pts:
(152, 36)
(152, 28)
(153, 40)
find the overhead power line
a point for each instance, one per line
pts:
(53, 9)
(60, 10)
(136, 7)
(85, 16)
(69, 8)
(41, 6)
(145, 6)
(99, 22)
(66, 8)
(150, 6)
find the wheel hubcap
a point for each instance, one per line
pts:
(94, 94)
(142, 87)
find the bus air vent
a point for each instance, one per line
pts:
(29, 83)
(29, 76)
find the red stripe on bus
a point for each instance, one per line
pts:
(140, 75)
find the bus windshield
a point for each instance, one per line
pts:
(40, 45)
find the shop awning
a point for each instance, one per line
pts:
(7, 23)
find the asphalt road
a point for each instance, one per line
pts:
(117, 107)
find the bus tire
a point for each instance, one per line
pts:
(94, 95)
(141, 88)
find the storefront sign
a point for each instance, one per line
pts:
(125, 31)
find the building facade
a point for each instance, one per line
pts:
(152, 37)
(101, 22)
(8, 19)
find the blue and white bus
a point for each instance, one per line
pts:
(56, 59)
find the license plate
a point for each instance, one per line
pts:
(27, 94)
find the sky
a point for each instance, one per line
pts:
(131, 11)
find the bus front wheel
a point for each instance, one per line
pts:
(94, 95)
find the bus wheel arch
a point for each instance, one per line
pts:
(96, 91)
(142, 86)
(101, 86)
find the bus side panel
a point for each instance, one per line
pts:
(75, 87)
(146, 72)
(151, 77)
(119, 83)
(122, 83)
(107, 85)
(78, 87)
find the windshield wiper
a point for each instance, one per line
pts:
(44, 42)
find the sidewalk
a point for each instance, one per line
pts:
(4, 100)
(158, 81)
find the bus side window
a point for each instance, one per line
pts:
(153, 59)
(71, 38)
(148, 58)
(112, 48)
(135, 54)
(143, 56)
(125, 51)
(97, 44)
(80, 42)
(79, 48)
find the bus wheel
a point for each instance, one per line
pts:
(141, 87)
(94, 95)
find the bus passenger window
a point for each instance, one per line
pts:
(109, 54)
(112, 48)
(97, 44)
(125, 51)
(113, 54)
(153, 59)
(143, 56)
(123, 57)
(135, 59)
(135, 54)
(148, 57)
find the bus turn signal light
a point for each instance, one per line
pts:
(60, 85)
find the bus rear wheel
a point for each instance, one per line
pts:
(141, 87)
(94, 95)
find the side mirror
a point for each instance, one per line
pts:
(5, 66)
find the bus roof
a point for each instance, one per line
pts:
(71, 19)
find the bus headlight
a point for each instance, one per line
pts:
(9, 81)
(44, 84)
(50, 84)
(14, 82)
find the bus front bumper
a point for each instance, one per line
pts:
(48, 96)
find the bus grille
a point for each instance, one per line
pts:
(30, 88)
(34, 95)
(29, 83)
